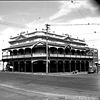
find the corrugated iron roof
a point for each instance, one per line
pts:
(32, 44)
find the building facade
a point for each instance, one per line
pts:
(28, 53)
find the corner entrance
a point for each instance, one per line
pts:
(39, 66)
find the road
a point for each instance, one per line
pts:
(82, 85)
(12, 93)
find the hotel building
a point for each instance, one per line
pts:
(28, 53)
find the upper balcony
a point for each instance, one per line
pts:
(40, 51)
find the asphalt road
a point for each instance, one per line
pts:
(83, 85)
(7, 93)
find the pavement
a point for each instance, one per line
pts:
(52, 86)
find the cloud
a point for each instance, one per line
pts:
(6, 33)
(70, 11)
(6, 23)
(64, 9)
(4, 37)
(38, 23)
(0, 18)
(67, 7)
(82, 13)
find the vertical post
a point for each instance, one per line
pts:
(49, 67)
(63, 66)
(75, 65)
(47, 27)
(31, 66)
(70, 65)
(85, 66)
(3, 67)
(80, 65)
(31, 62)
(18, 66)
(13, 66)
(25, 66)
(57, 66)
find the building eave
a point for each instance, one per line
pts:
(32, 45)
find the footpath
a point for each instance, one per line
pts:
(50, 86)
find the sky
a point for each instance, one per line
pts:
(78, 18)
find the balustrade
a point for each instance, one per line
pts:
(67, 55)
(44, 54)
(38, 55)
(4, 57)
(53, 55)
(15, 56)
(28, 55)
(20, 56)
(73, 56)
(60, 55)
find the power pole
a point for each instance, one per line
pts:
(47, 27)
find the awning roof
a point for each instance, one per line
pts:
(19, 46)
(32, 44)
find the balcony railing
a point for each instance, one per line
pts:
(82, 56)
(27, 55)
(14, 56)
(39, 55)
(44, 55)
(68, 56)
(73, 56)
(53, 55)
(60, 55)
(4, 57)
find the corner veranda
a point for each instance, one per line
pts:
(61, 58)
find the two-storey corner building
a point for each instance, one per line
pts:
(27, 53)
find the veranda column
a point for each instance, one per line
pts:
(63, 66)
(13, 66)
(85, 66)
(31, 66)
(3, 66)
(80, 65)
(31, 61)
(18, 66)
(70, 65)
(75, 65)
(57, 62)
(25, 66)
(57, 65)
(49, 67)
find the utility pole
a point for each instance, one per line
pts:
(47, 28)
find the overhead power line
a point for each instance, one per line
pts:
(62, 24)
